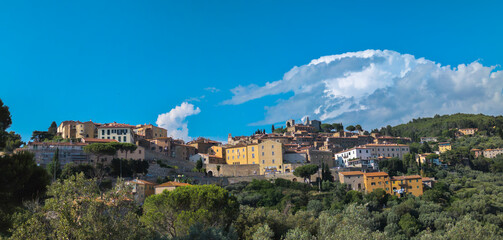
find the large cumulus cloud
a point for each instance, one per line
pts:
(175, 120)
(376, 88)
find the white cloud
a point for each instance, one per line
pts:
(212, 89)
(174, 120)
(375, 88)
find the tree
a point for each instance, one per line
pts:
(71, 169)
(54, 168)
(171, 213)
(272, 128)
(100, 149)
(425, 148)
(358, 127)
(306, 171)
(78, 211)
(12, 141)
(264, 232)
(199, 164)
(326, 175)
(5, 118)
(338, 127)
(350, 128)
(53, 129)
(20, 180)
(40, 136)
(127, 147)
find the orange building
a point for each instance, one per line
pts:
(403, 185)
(375, 180)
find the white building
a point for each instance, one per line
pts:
(361, 152)
(117, 131)
(388, 150)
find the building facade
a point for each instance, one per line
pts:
(403, 185)
(343, 157)
(117, 131)
(149, 131)
(388, 150)
(444, 147)
(353, 179)
(69, 152)
(376, 180)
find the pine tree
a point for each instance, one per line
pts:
(54, 168)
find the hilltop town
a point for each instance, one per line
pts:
(351, 156)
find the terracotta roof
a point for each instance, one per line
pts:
(376, 174)
(172, 184)
(351, 173)
(406, 177)
(97, 140)
(58, 143)
(386, 145)
(116, 125)
(427, 179)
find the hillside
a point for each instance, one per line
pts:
(439, 126)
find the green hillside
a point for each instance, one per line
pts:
(440, 126)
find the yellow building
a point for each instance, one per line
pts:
(375, 180)
(270, 157)
(76, 129)
(444, 147)
(217, 151)
(149, 131)
(86, 130)
(242, 154)
(403, 185)
(468, 131)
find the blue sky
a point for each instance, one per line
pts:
(130, 61)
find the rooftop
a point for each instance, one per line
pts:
(406, 177)
(351, 173)
(172, 184)
(376, 174)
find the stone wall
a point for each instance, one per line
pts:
(233, 170)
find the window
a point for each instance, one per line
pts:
(232, 157)
(273, 153)
(273, 161)
(253, 155)
(102, 132)
(262, 146)
(108, 132)
(272, 146)
(108, 137)
(373, 184)
(228, 151)
(262, 153)
(124, 138)
(253, 149)
(263, 161)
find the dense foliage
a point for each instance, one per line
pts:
(441, 126)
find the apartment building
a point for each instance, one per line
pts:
(69, 152)
(388, 150)
(376, 180)
(444, 147)
(149, 131)
(117, 131)
(403, 185)
(343, 157)
(77, 129)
